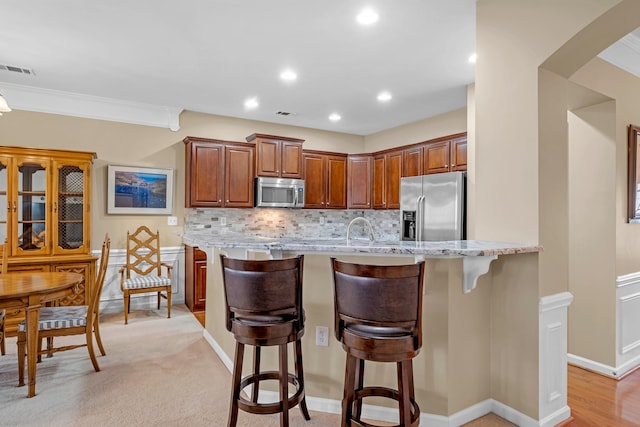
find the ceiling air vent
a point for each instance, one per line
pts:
(15, 69)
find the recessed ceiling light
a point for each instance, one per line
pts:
(251, 103)
(288, 75)
(384, 96)
(473, 58)
(334, 117)
(367, 17)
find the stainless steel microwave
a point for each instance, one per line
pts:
(279, 192)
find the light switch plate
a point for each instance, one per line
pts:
(172, 220)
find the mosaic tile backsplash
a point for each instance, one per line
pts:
(291, 223)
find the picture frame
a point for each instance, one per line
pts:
(139, 190)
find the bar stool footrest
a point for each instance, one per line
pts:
(387, 393)
(268, 408)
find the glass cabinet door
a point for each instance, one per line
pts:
(70, 230)
(5, 213)
(30, 208)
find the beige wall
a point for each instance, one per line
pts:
(422, 130)
(625, 89)
(592, 158)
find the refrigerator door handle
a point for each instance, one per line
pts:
(420, 219)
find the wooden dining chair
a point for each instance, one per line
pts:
(3, 270)
(71, 320)
(143, 272)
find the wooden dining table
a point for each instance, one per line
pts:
(31, 291)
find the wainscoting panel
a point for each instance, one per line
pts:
(553, 358)
(112, 300)
(627, 323)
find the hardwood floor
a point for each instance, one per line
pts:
(596, 400)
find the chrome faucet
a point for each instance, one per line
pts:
(366, 222)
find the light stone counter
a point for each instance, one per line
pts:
(476, 254)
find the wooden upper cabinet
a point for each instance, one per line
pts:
(359, 175)
(239, 187)
(459, 154)
(437, 157)
(387, 171)
(378, 193)
(336, 182)
(325, 176)
(394, 173)
(277, 156)
(314, 181)
(446, 155)
(218, 173)
(412, 161)
(204, 174)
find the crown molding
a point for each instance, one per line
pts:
(40, 100)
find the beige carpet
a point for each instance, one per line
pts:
(157, 372)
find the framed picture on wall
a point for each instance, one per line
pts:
(139, 190)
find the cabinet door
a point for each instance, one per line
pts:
(359, 182)
(393, 175)
(6, 196)
(412, 160)
(268, 157)
(291, 161)
(336, 182)
(200, 284)
(436, 157)
(72, 187)
(459, 154)
(378, 192)
(238, 177)
(30, 234)
(205, 175)
(314, 181)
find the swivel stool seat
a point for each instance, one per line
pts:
(378, 318)
(264, 308)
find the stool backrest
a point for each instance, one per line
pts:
(263, 288)
(378, 295)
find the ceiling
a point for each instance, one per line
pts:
(211, 55)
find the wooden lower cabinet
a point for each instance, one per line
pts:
(82, 264)
(195, 281)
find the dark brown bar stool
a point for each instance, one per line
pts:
(264, 308)
(378, 317)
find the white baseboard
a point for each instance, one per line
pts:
(608, 371)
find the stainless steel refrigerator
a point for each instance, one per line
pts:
(432, 207)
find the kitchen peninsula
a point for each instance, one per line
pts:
(465, 330)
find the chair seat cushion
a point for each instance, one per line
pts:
(378, 332)
(149, 281)
(59, 318)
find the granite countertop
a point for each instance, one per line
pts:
(454, 248)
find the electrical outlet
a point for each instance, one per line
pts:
(172, 220)
(223, 220)
(322, 336)
(321, 220)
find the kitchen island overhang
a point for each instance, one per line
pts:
(476, 255)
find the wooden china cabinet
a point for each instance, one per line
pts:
(45, 200)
